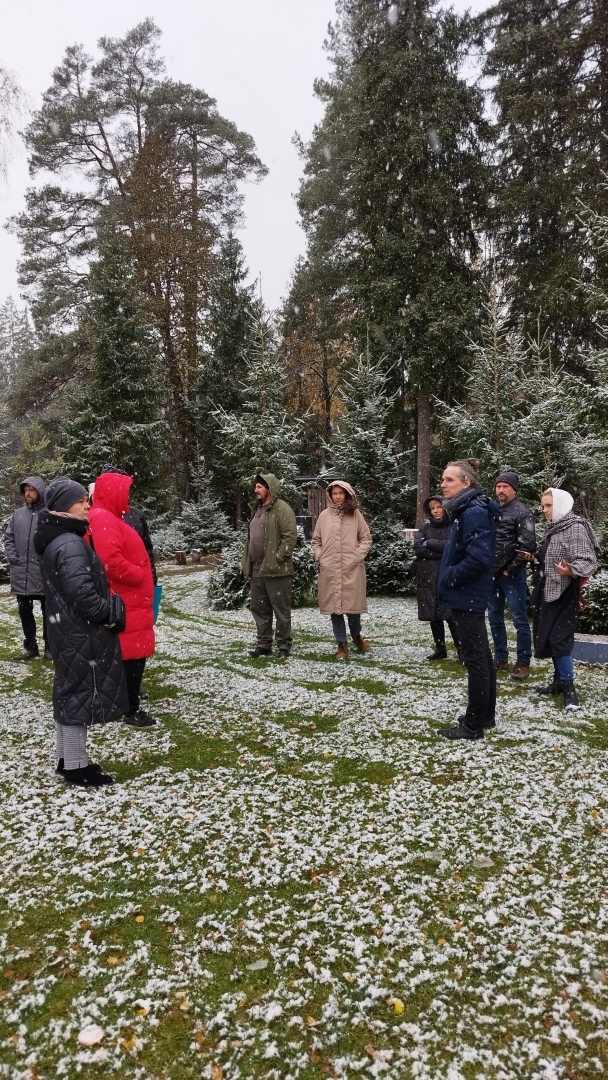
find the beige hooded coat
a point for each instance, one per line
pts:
(340, 543)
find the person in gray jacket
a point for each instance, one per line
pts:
(26, 575)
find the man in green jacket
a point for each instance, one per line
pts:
(267, 562)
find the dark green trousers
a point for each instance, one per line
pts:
(272, 595)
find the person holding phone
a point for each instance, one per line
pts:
(567, 556)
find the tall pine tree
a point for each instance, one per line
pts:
(116, 415)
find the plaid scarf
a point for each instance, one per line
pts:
(571, 540)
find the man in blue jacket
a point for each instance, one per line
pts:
(465, 583)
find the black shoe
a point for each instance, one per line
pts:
(284, 654)
(61, 768)
(88, 777)
(143, 695)
(489, 723)
(553, 688)
(48, 654)
(259, 651)
(460, 731)
(441, 653)
(27, 654)
(570, 695)
(139, 719)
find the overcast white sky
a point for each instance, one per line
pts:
(258, 58)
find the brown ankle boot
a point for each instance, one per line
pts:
(361, 644)
(520, 671)
(342, 653)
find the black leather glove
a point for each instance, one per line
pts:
(117, 619)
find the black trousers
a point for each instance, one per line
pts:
(438, 632)
(28, 622)
(134, 673)
(479, 662)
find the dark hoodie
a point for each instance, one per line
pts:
(280, 534)
(26, 578)
(467, 565)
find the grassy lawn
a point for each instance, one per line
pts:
(294, 877)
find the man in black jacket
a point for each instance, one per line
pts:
(515, 532)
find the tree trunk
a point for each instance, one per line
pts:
(424, 454)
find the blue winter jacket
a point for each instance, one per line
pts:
(467, 565)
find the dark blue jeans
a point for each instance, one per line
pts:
(513, 591)
(339, 626)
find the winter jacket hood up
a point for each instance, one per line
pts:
(26, 576)
(340, 543)
(89, 686)
(125, 562)
(467, 565)
(280, 534)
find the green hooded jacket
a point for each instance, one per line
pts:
(280, 534)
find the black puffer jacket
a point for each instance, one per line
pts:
(89, 685)
(515, 530)
(428, 546)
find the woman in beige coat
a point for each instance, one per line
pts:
(340, 543)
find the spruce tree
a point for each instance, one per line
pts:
(394, 192)
(361, 450)
(260, 437)
(116, 417)
(548, 63)
(223, 365)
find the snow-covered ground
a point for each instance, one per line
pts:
(295, 878)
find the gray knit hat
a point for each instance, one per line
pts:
(510, 477)
(63, 493)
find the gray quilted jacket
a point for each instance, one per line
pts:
(26, 575)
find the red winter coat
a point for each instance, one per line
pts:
(125, 561)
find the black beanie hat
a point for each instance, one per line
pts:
(511, 477)
(260, 480)
(63, 493)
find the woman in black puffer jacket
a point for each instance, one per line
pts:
(83, 624)
(428, 546)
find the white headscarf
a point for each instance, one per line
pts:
(562, 503)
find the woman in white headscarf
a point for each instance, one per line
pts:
(566, 557)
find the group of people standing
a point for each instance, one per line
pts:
(92, 569)
(471, 557)
(91, 566)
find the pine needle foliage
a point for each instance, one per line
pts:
(116, 417)
(260, 437)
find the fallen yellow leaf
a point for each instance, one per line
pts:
(139, 918)
(113, 960)
(130, 1043)
(310, 1020)
(441, 941)
(217, 1072)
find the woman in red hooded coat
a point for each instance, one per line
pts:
(127, 568)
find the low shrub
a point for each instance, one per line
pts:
(389, 561)
(229, 589)
(594, 619)
(199, 525)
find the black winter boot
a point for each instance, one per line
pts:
(441, 653)
(554, 687)
(61, 768)
(140, 719)
(570, 695)
(259, 651)
(90, 777)
(460, 731)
